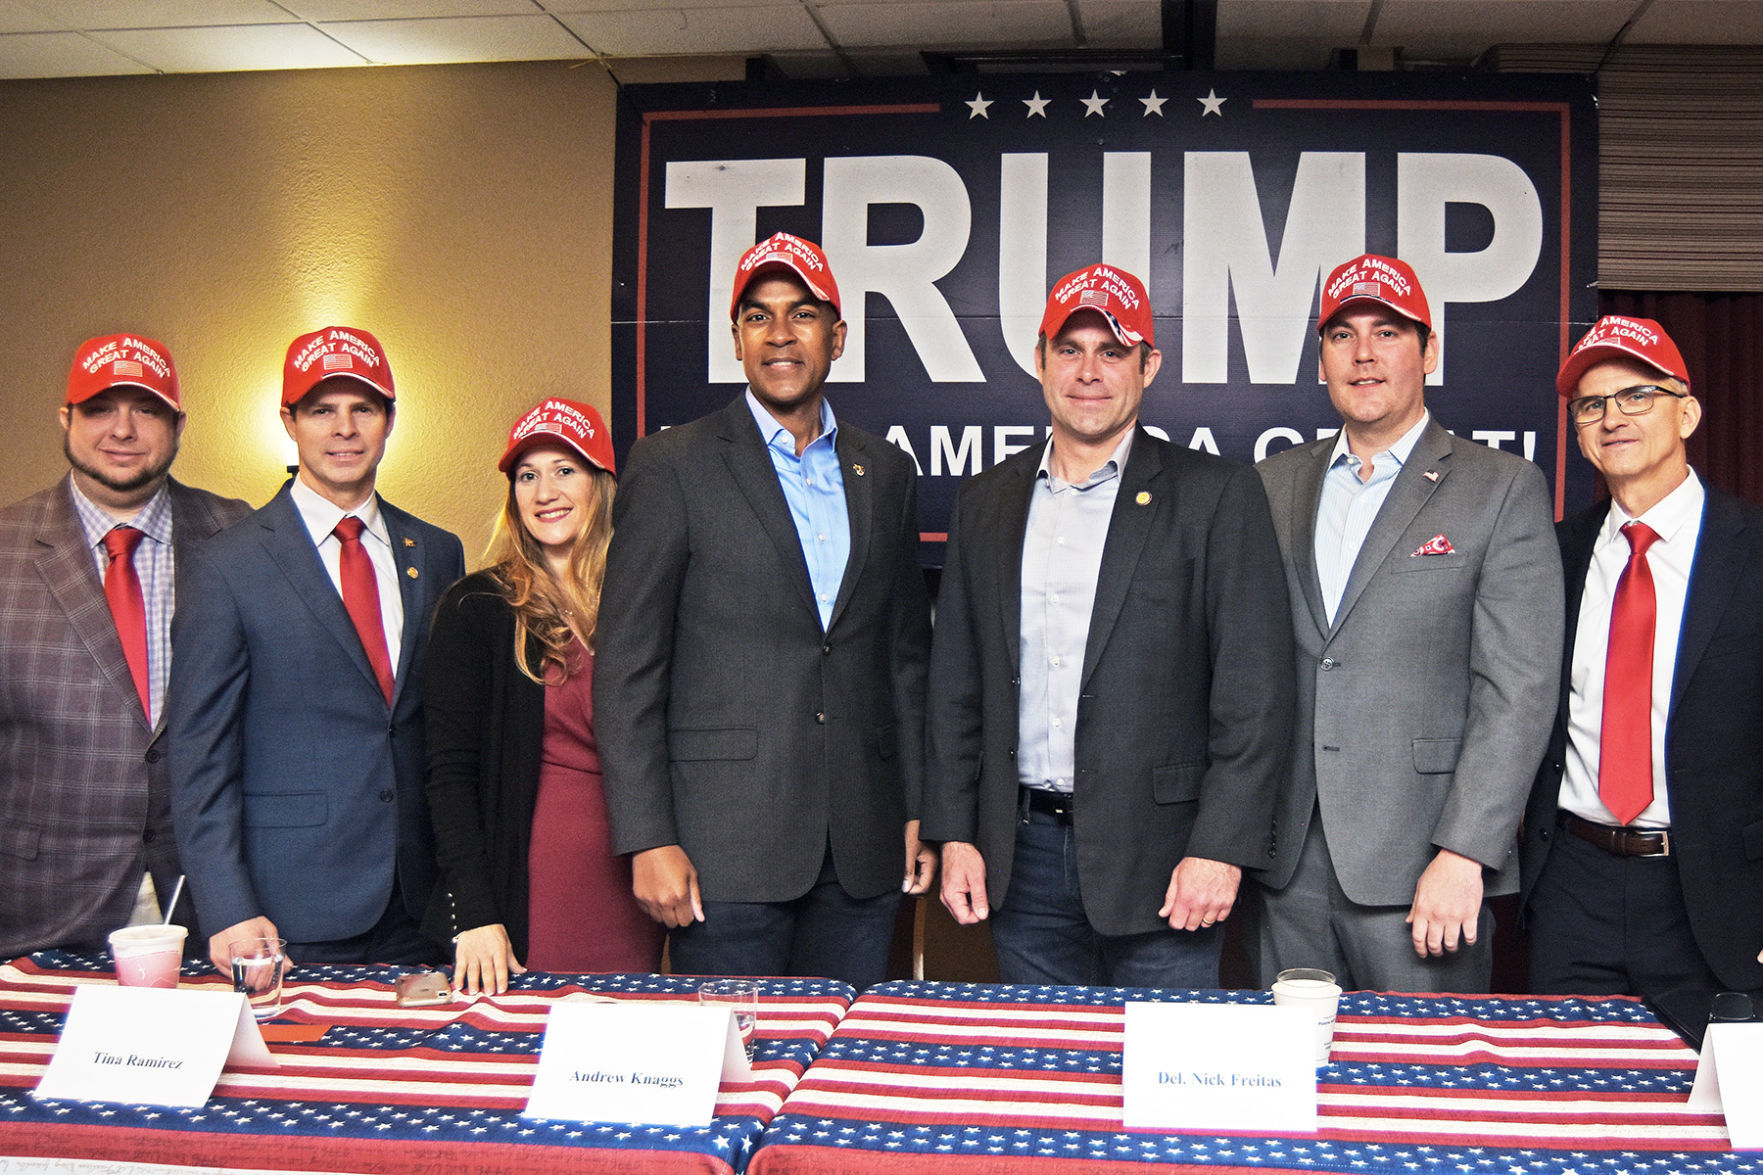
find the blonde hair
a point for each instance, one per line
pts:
(552, 612)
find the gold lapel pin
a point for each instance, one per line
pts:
(857, 469)
(1144, 498)
(412, 573)
(410, 542)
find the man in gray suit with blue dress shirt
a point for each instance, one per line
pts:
(759, 685)
(1109, 713)
(1426, 601)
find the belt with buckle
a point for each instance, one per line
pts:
(1623, 842)
(1058, 805)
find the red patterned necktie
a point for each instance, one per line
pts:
(122, 588)
(361, 596)
(1625, 754)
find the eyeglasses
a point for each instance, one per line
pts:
(1635, 401)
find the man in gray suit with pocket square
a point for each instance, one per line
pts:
(1110, 712)
(85, 798)
(759, 685)
(1427, 602)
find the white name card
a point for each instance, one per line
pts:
(1729, 1077)
(151, 1046)
(656, 1063)
(1211, 1067)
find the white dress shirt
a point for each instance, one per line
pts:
(321, 517)
(1677, 520)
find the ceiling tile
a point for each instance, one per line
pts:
(948, 24)
(1453, 29)
(160, 14)
(477, 38)
(768, 28)
(1699, 22)
(216, 50)
(1122, 24)
(1328, 22)
(327, 10)
(60, 55)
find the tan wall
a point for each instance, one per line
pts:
(461, 213)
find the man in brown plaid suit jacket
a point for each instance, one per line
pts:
(84, 795)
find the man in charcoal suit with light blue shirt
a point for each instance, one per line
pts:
(759, 677)
(1426, 602)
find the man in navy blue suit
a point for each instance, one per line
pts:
(1643, 842)
(295, 701)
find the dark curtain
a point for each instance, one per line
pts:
(1721, 337)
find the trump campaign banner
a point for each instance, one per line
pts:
(948, 206)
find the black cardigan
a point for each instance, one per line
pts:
(485, 723)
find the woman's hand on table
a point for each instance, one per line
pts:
(483, 959)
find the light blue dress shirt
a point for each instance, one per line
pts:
(814, 487)
(1061, 558)
(1349, 507)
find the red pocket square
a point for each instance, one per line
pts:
(1438, 544)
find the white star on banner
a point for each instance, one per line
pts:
(978, 106)
(1213, 104)
(1153, 105)
(1093, 104)
(1037, 106)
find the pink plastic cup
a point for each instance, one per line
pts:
(148, 956)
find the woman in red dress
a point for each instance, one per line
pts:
(528, 877)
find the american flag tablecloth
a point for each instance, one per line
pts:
(397, 1090)
(960, 1079)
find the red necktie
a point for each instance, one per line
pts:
(122, 587)
(361, 596)
(1625, 755)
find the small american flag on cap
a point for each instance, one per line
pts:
(337, 361)
(126, 369)
(1367, 289)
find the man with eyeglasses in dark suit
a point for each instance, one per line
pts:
(1642, 852)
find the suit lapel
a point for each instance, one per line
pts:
(1129, 525)
(1016, 491)
(409, 560)
(1410, 492)
(754, 475)
(70, 572)
(859, 509)
(1578, 537)
(1307, 494)
(1714, 576)
(289, 544)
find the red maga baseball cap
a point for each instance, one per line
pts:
(565, 422)
(783, 251)
(116, 360)
(1371, 278)
(335, 350)
(1116, 294)
(1616, 337)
